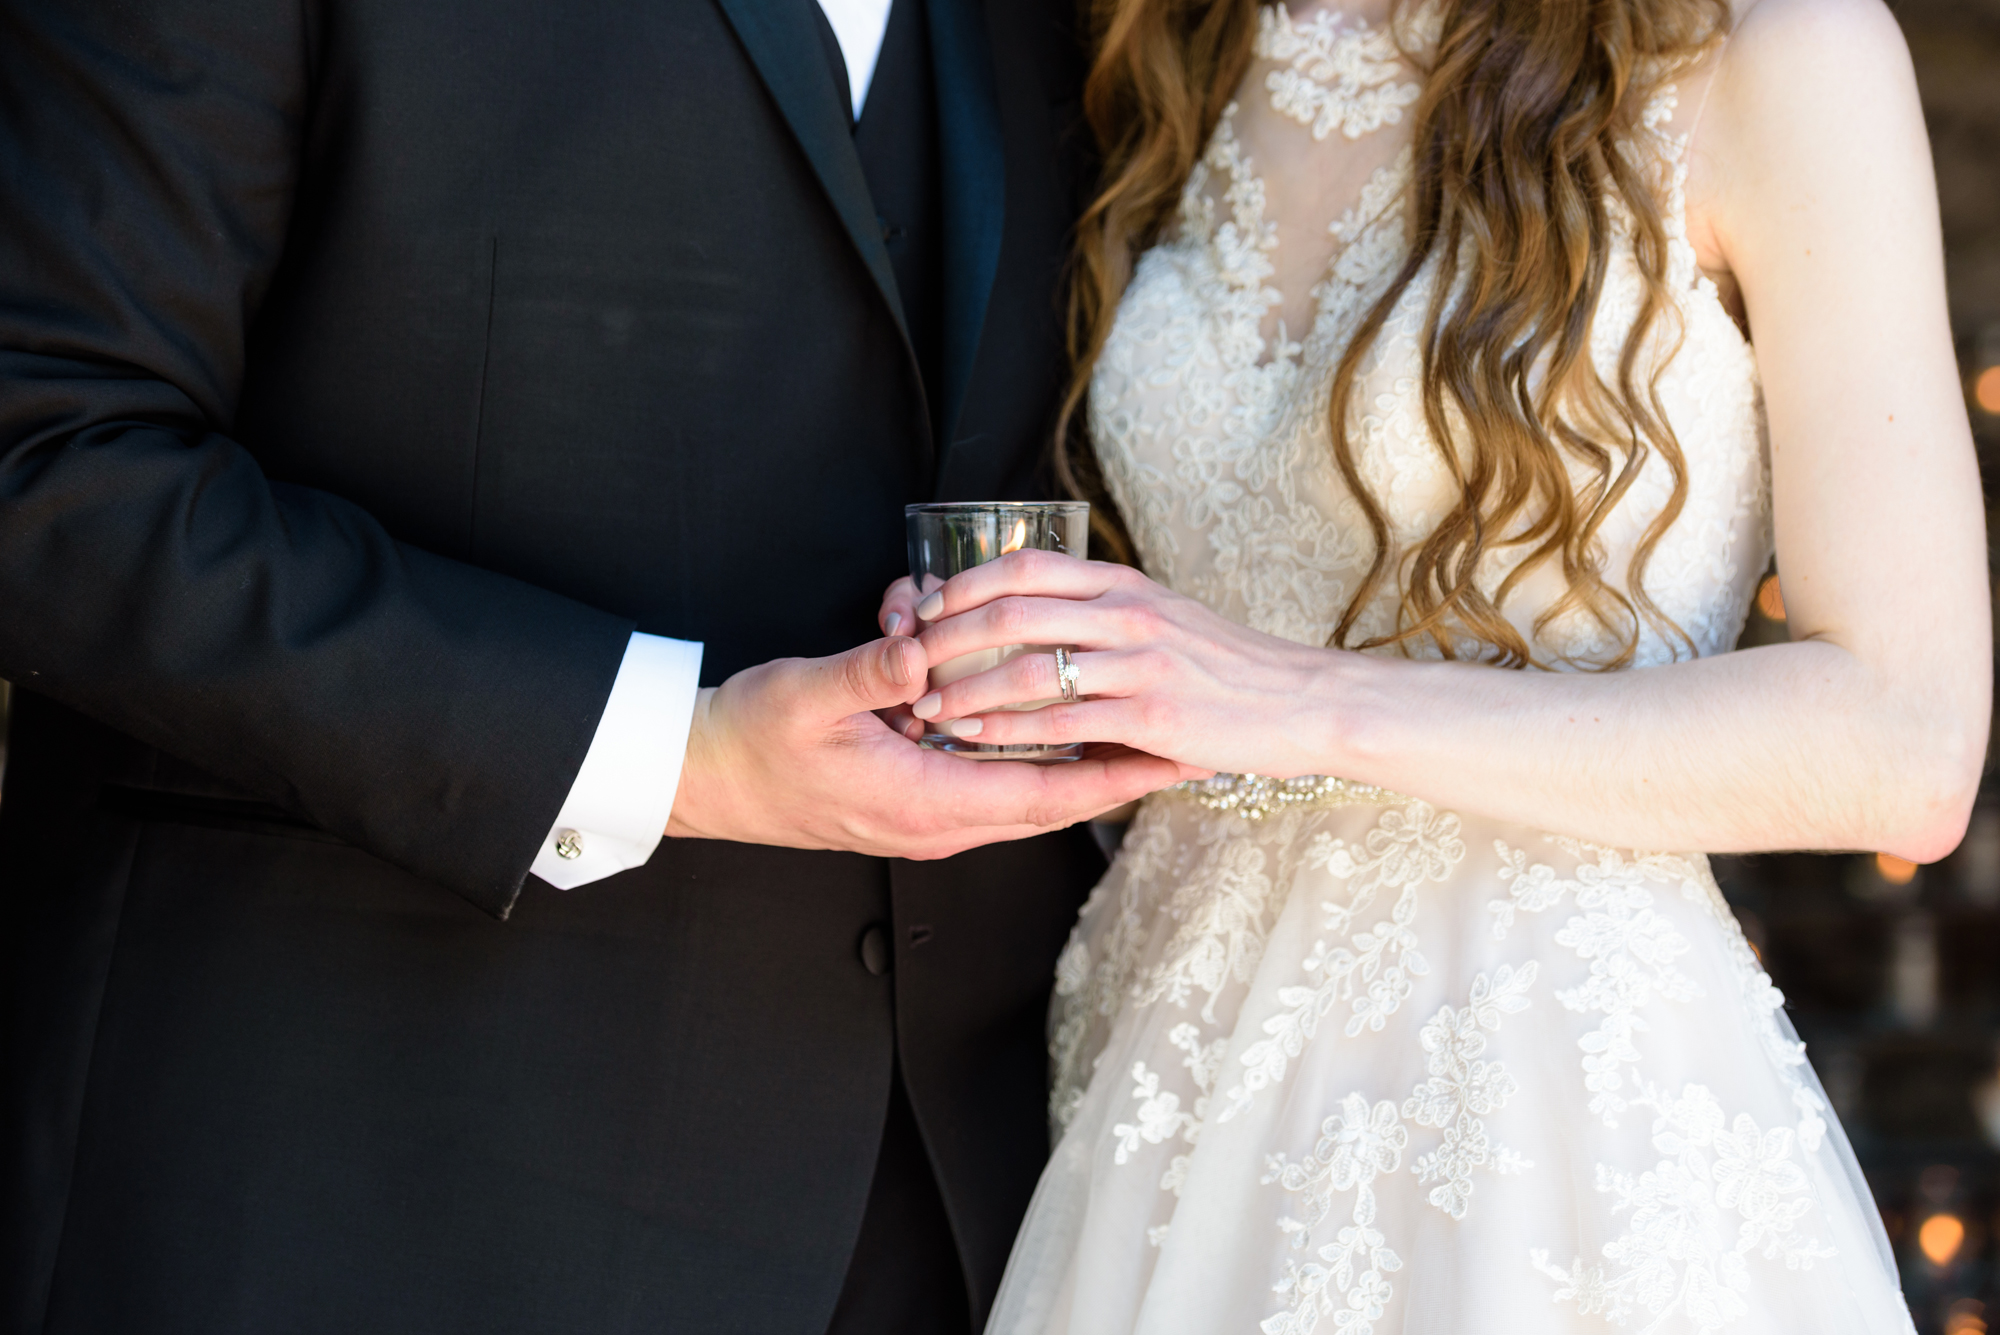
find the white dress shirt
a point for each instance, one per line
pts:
(860, 25)
(618, 806)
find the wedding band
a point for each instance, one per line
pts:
(1067, 676)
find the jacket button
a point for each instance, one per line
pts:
(875, 954)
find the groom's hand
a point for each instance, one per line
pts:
(792, 753)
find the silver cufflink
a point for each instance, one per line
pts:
(569, 845)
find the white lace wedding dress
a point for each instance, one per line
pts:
(1331, 1059)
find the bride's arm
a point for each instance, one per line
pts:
(1868, 731)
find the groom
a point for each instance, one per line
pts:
(384, 384)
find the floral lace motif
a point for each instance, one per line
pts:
(1224, 905)
(1463, 1089)
(1676, 1253)
(1220, 892)
(1160, 1117)
(1337, 75)
(1630, 948)
(1356, 1145)
(1089, 990)
(1372, 972)
(1360, 1143)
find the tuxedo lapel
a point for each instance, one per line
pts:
(783, 43)
(973, 177)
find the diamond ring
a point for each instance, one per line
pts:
(1067, 676)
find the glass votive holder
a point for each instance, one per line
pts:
(948, 537)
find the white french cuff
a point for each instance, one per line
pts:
(618, 806)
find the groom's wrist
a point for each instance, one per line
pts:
(620, 796)
(703, 776)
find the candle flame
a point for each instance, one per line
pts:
(1017, 539)
(1940, 1237)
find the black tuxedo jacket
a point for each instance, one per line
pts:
(369, 370)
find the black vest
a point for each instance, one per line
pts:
(904, 1274)
(897, 140)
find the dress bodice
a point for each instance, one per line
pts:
(1326, 1058)
(1211, 417)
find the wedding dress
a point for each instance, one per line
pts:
(1332, 1059)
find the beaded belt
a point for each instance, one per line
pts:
(1255, 796)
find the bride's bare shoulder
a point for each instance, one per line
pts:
(1809, 42)
(1813, 55)
(1809, 99)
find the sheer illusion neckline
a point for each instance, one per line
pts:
(1333, 73)
(1335, 76)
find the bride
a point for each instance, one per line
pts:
(1416, 353)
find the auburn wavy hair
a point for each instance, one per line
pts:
(1520, 147)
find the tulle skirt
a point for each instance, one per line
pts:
(1358, 1065)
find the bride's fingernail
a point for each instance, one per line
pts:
(965, 727)
(928, 707)
(928, 609)
(892, 623)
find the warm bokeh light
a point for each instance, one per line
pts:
(1966, 1317)
(1986, 390)
(1940, 1237)
(1895, 870)
(1770, 601)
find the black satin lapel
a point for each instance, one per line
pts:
(784, 45)
(973, 176)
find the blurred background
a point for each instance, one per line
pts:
(1892, 971)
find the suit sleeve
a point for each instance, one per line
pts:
(151, 575)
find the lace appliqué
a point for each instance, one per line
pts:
(1224, 907)
(1410, 845)
(1207, 472)
(1675, 1254)
(1221, 890)
(1161, 1118)
(1360, 1143)
(1090, 987)
(1356, 1145)
(1631, 949)
(1463, 1089)
(1221, 935)
(1338, 75)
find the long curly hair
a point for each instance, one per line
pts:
(1521, 138)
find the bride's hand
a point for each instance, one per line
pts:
(1159, 672)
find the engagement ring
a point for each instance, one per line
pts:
(1067, 676)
